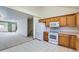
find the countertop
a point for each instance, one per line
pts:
(70, 33)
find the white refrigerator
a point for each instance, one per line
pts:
(40, 28)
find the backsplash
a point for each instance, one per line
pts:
(69, 29)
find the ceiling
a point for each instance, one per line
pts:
(34, 10)
(75, 7)
(39, 7)
(12, 14)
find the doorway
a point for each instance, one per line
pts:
(30, 27)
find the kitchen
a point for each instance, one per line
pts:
(57, 29)
(61, 30)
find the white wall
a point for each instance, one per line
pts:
(14, 16)
(35, 21)
(22, 27)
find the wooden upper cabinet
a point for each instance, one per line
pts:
(47, 22)
(42, 20)
(71, 20)
(55, 19)
(63, 21)
(67, 20)
(77, 19)
(51, 19)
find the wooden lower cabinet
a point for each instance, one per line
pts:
(77, 44)
(72, 40)
(64, 40)
(45, 34)
(67, 41)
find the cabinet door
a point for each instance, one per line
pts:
(56, 19)
(71, 20)
(64, 40)
(72, 42)
(47, 22)
(77, 19)
(42, 20)
(63, 21)
(77, 44)
(52, 20)
(45, 34)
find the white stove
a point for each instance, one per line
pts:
(53, 36)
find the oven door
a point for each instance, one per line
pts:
(53, 37)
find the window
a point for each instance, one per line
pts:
(14, 27)
(2, 27)
(8, 26)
